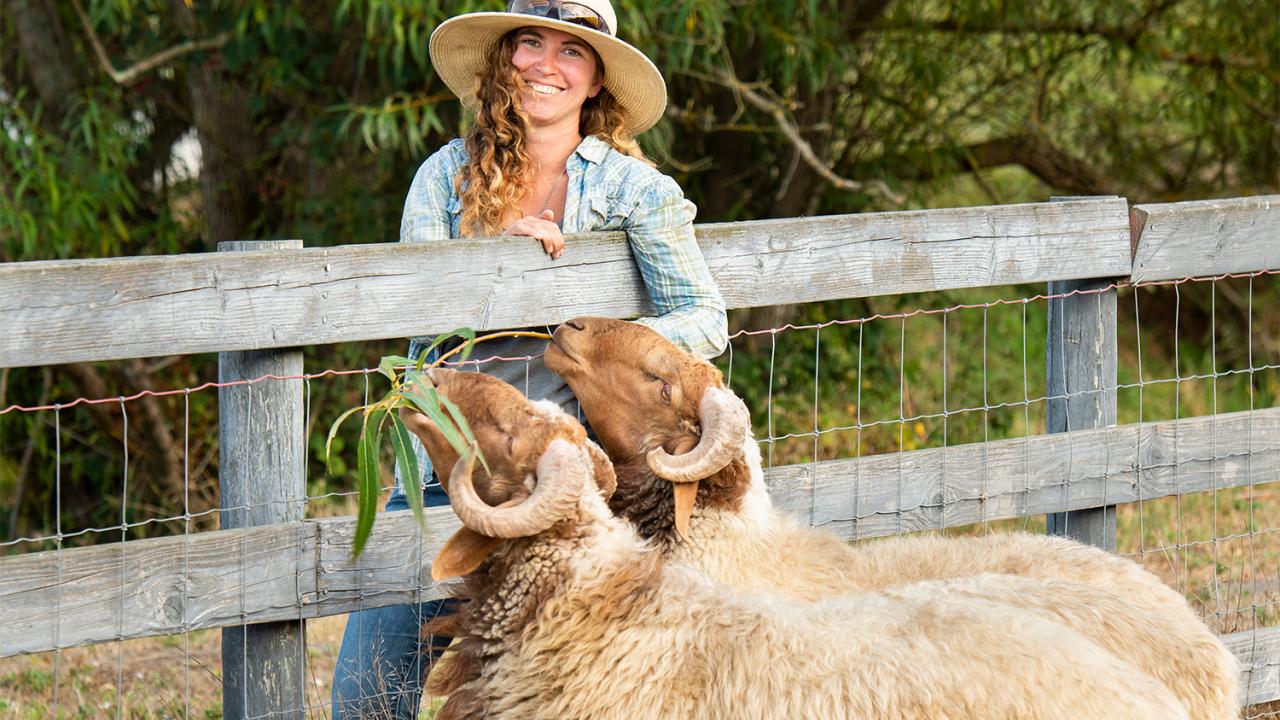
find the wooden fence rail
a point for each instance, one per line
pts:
(77, 311)
(85, 310)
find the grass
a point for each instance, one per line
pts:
(157, 678)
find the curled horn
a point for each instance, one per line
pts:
(562, 473)
(725, 423)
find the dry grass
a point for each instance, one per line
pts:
(177, 676)
(152, 678)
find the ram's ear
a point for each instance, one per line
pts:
(685, 494)
(461, 554)
(606, 479)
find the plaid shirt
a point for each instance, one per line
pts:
(607, 191)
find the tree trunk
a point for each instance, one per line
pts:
(220, 109)
(51, 63)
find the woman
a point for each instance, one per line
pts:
(558, 100)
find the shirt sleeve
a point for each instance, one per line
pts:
(690, 310)
(426, 208)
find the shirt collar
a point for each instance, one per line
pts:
(593, 149)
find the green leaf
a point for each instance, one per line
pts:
(389, 364)
(423, 395)
(464, 427)
(367, 470)
(467, 334)
(407, 459)
(469, 337)
(333, 430)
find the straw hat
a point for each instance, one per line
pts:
(460, 49)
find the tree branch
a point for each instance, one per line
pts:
(1056, 167)
(130, 75)
(28, 453)
(162, 441)
(801, 145)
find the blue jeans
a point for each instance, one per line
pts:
(384, 659)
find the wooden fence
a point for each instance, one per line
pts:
(264, 299)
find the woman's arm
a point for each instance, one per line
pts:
(690, 310)
(426, 208)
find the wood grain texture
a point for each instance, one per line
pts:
(262, 480)
(304, 569)
(155, 587)
(1259, 655)
(964, 484)
(1208, 237)
(80, 310)
(1080, 374)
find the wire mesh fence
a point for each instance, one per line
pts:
(871, 390)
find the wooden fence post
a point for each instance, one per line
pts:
(1081, 385)
(262, 451)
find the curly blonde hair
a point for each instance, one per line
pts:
(498, 170)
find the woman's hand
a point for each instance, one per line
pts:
(541, 228)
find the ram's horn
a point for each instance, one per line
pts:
(725, 423)
(562, 473)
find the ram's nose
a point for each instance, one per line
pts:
(575, 323)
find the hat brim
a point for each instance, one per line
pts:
(460, 48)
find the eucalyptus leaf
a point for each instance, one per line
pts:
(367, 471)
(333, 430)
(407, 460)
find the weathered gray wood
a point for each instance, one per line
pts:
(395, 567)
(304, 569)
(262, 478)
(1259, 654)
(1081, 361)
(1208, 237)
(966, 484)
(79, 310)
(158, 586)
(759, 263)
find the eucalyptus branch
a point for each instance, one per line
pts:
(509, 333)
(130, 75)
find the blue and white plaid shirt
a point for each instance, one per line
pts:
(607, 190)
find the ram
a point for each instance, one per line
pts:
(568, 613)
(689, 477)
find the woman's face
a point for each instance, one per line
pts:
(559, 73)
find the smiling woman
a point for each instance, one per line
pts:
(558, 100)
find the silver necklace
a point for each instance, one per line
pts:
(546, 203)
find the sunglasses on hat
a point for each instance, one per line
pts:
(570, 12)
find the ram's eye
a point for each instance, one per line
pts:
(511, 444)
(666, 391)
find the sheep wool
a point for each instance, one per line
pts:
(570, 614)
(738, 538)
